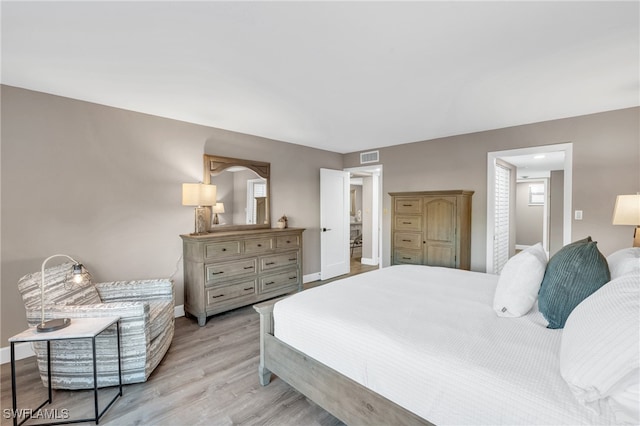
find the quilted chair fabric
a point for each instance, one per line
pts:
(146, 311)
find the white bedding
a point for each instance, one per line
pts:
(427, 339)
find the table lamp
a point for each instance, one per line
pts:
(199, 195)
(627, 212)
(218, 208)
(79, 274)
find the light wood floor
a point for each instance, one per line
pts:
(208, 377)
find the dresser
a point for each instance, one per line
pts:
(431, 228)
(229, 269)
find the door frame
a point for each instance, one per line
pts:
(568, 195)
(375, 170)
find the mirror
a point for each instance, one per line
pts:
(242, 192)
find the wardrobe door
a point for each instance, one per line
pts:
(440, 231)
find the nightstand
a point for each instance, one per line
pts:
(80, 328)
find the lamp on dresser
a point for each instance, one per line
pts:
(627, 212)
(78, 275)
(199, 195)
(218, 208)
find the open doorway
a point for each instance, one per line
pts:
(550, 203)
(365, 218)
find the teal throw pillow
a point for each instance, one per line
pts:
(572, 274)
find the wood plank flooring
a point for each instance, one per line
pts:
(209, 376)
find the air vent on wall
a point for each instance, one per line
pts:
(369, 157)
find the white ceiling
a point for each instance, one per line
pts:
(341, 76)
(536, 165)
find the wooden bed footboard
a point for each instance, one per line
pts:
(344, 398)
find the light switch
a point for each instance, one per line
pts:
(578, 215)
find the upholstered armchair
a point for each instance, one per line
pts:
(146, 309)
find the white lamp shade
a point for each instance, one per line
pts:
(218, 208)
(627, 210)
(198, 194)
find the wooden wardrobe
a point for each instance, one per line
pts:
(431, 228)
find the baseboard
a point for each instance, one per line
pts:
(23, 350)
(368, 261)
(178, 311)
(309, 278)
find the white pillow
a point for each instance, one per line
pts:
(600, 349)
(624, 261)
(519, 282)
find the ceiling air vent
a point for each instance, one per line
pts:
(369, 157)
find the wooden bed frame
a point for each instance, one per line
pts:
(344, 398)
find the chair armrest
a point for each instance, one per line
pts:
(136, 290)
(124, 310)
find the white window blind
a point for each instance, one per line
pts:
(501, 231)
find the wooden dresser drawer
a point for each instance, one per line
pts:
(227, 269)
(256, 245)
(223, 271)
(278, 260)
(277, 281)
(288, 241)
(413, 257)
(408, 223)
(221, 249)
(409, 240)
(218, 294)
(408, 205)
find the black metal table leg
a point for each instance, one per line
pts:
(13, 384)
(95, 381)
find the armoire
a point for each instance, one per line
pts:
(431, 228)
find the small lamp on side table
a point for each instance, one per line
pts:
(627, 212)
(79, 274)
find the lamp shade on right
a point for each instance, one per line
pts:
(627, 210)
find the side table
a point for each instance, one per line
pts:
(80, 328)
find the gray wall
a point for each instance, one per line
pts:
(104, 185)
(606, 162)
(529, 226)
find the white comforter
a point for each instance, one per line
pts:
(428, 339)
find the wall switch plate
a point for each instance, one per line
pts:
(578, 215)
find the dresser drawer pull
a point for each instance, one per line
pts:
(248, 288)
(407, 205)
(217, 273)
(407, 223)
(293, 259)
(270, 263)
(288, 241)
(407, 241)
(248, 267)
(293, 278)
(270, 282)
(215, 297)
(406, 258)
(224, 249)
(259, 245)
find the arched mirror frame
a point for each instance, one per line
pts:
(214, 165)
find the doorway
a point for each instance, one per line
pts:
(365, 218)
(552, 163)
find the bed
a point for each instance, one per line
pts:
(414, 344)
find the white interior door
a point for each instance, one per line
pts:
(334, 223)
